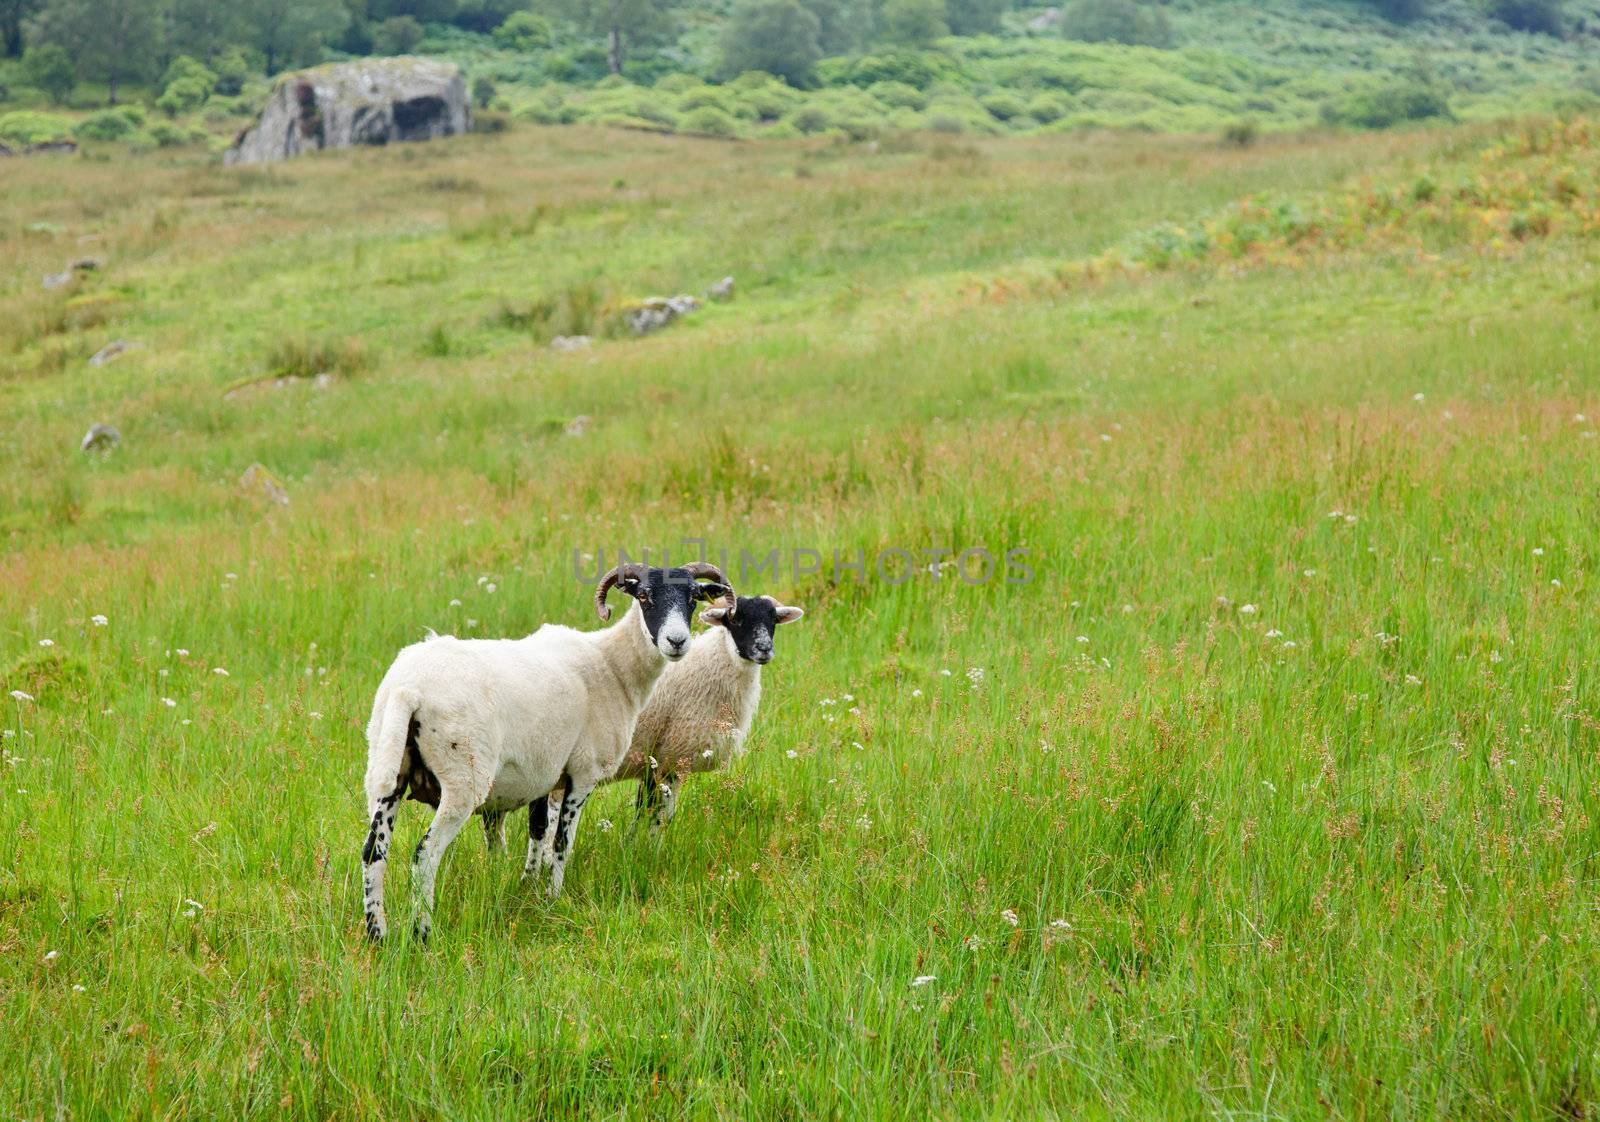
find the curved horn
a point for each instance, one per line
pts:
(705, 570)
(602, 609)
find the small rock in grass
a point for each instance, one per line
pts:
(722, 290)
(257, 480)
(100, 438)
(110, 351)
(579, 424)
(59, 280)
(569, 343)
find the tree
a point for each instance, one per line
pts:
(524, 31)
(913, 23)
(1403, 11)
(396, 35)
(289, 31)
(777, 36)
(844, 24)
(112, 41)
(622, 23)
(13, 15)
(974, 17)
(47, 67)
(485, 15)
(1117, 21)
(1541, 16)
(202, 29)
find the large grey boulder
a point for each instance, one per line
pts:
(371, 101)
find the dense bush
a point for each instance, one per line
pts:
(780, 37)
(912, 23)
(1005, 106)
(708, 121)
(810, 119)
(919, 69)
(233, 71)
(1386, 106)
(898, 95)
(26, 127)
(524, 31)
(484, 91)
(1048, 107)
(111, 124)
(397, 35)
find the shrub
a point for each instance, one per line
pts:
(183, 68)
(490, 121)
(483, 91)
(1048, 107)
(898, 95)
(708, 121)
(48, 68)
(1542, 16)
(1403, 11)
(1004, 106)
(1387, 106)
(396, 35)
(233, 71)
(919, 69)
(1116, 21)
(524, 31)
(168, 135)
(810, 119)
(702, 97)
(765, 103)
(184, 95)
(27, 127)
(111, 124)
(1241, 134)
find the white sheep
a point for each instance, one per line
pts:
(476, 725)
(700, 713)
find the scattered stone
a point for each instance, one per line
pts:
(110, 351)
(86, 265)
(1047, 20)
(656, 312)
(323, 381)
(51, 147)
(579, 425)
(370, 101)
(59, 280)
(568, 343)
(722, 290)
(100, 438)
(6, 150)
(258, 481)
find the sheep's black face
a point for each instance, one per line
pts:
(666, 604)
(752, 624)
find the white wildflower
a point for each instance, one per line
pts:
(169, 703)
(51, 956)
(856, 744)
(490, 587)
(707, 754)
(916, 693)
(1247, 609)
(864, 822)
(77, 988)
(1061, 925)
(922, 980)
(1413, 680)
(47, 642)
(849, 697)
(605, 825)
(455, 602)
(944, 673)
(1274, 633)
(972, 942)
(219, 672)
(183, 653)
(792, 754)
(1538, 551)
(99, 621)
(1310, 573)
(20, 696)
(1289, 644)
(1418, 396)
(1010, 916)
(314, 715)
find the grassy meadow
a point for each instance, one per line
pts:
(1271, 795)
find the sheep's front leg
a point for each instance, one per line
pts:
(453, 812)
(666, 802)
(494, 830)
(567, 832)
(539, 832)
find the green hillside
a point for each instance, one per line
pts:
(709, 68)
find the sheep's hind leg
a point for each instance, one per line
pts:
(453, 812)
(494, 830)
(567, 832)
(374, 857)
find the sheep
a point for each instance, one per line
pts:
(489, 726)
(700, 713)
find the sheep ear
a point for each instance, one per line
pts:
(789, 615)
(715, 617)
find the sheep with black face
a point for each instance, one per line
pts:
(488, 726)
(701, 711)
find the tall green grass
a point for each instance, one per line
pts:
(1271, 794)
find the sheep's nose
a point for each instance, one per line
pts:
(763, 654)
(676, 644)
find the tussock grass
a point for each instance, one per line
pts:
(1283, 763)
